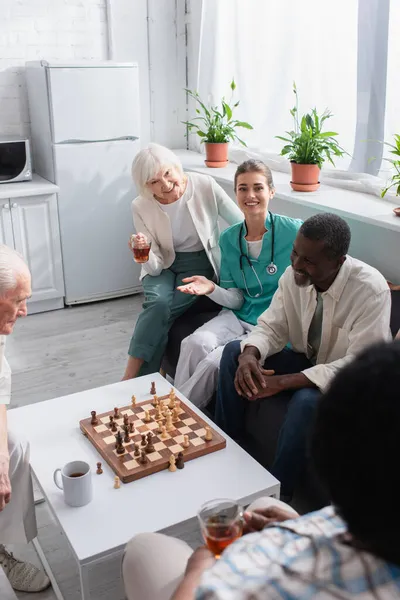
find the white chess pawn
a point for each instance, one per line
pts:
(117, 483)
(147, 417)
(164, 434)
(185, 443)
(172, 465)
(208, 437)
(133, 400)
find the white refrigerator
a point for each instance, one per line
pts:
(85, 134)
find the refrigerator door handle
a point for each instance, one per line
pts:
(124, 138)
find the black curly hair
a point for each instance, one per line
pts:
(356, 447)
(330, 228)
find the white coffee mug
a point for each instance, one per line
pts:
(75, 479)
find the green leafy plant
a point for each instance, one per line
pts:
(216, 125)
(307, 144)
(395, 180)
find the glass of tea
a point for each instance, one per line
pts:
(221, 523)
(141, 249)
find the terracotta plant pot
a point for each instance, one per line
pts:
(305, 178)
(216, 155)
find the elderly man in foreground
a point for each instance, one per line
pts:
(17, 510)
(328, 307)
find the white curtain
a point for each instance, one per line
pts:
(336, 54)
(392, 115)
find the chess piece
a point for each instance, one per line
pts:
(133, 400)
(119, 446)
(117, 483)
(127, 439)
(143, 458)
(164, 434)
(208, 437)
(137, 451)
(94, 419)
(126, 419)
(185, 443)
(143, 443)
(153, 388)
(131, 427)
(116, 413)
(158, 415)
(169, 424)
(156, 401)
(160, 424)
(99, 469)
(175, 415)
(171, 404)
(113, 424)
(180, 461)
(150, 447)
(147, 417)
(172, 465)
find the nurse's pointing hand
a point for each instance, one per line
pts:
(196, 286)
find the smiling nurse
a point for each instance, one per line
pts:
(254, 255)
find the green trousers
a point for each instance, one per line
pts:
(163, 303)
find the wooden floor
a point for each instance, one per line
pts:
(65, 351)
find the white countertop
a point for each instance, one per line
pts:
(346, 203)
(19, 189)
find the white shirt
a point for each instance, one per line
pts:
(184, 234)
(5, 374)
(356, 313)
(208, 202)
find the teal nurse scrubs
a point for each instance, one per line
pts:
(257, 278)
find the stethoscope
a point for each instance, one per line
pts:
(272, 269)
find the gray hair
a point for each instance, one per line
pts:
(12, 265)
(150, 161)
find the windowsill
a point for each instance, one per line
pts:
(355, 205)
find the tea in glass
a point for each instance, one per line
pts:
(221, 523)
(141, 250)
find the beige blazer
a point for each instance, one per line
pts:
(356, 313)
(207, 202)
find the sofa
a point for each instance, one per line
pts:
(263, 419)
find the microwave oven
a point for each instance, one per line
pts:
(15, 159)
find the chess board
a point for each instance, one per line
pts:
(127, 466)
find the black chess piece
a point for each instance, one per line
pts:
(127, 439)
(180, 461)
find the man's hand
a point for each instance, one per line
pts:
(250, 376)
(257, 519)
(273, 385)
(5, 485)
(196, 286)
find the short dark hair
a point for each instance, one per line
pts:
(331, 229)
(255, 166)
(356, 445)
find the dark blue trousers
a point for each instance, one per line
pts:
(291, 453)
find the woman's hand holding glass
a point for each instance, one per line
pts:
(140, 247)
(197, 286)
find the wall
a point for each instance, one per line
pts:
(50, 29)
(153, 34)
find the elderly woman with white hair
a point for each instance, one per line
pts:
(178, 213)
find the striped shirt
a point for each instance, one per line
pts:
(298, 560)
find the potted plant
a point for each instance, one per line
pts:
(395, 179)
(216, 127)
(307, 147)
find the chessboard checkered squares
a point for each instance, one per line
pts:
(109, 440)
